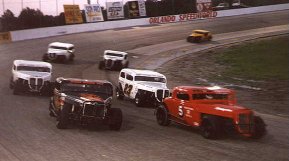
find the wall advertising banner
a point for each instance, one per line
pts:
(142, 8)
(114, 10)
(93, 13)
(72, 14)
(133, 9)
(5, 37)
(204, 5)
(136, 9)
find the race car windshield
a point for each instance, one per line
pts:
(61, 48)
(114, 54)
(37, 69)
(200, 32)
(150, 79)
(205, 96)
(94, 88)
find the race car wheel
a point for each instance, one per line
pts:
(50, 108)
(138, 101)
(126, 65)
(189, 39)
(259, 128)
(119, 94)
(162, 116)
(101, 65)
(63, 117)
(115, 119)
(210, 38)
(16, 89)
(210, 127)
(71, 57)
(197, 39)
(11, 83)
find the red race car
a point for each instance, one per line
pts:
(212, 109)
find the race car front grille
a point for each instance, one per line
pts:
(161, 94)
(245, 123)
(93, 110)
(36, 83)
(108, 63)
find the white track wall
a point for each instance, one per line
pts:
(88, 27)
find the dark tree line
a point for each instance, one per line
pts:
(31, 18)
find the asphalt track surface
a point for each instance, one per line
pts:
(27, 132)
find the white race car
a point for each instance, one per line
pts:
(31, 76)
(142, 86)
(114, 60)
(58, 51)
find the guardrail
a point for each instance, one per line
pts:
(71, 29)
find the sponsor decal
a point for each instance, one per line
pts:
(182, 17)
(223, 109)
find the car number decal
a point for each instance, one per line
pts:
(127, 89)
(181, 112)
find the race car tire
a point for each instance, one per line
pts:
(189, 39)
(119, 94)
(11, 86)
(45, 58)
(126, 65)
(138, 101)
(197, 39)
(16, 89)
(101, 65)
(259, 128)
(210, 38)
(115, 119)
(71, 57)
(63, 117)
(162, 116)
(210, 128)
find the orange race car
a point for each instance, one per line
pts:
(212, 109)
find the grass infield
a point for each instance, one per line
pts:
(262, 60)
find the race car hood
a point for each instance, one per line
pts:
(33, 74)
(112, 57)
(60, 52)
(220, 109)
(91, 97)
(152, 85)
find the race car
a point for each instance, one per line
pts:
(31, 76)
(142, 86)
(200, 35)
(114, 60)
(59, 52)
(211, 109)
(86, 102)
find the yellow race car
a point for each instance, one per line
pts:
(200, 35)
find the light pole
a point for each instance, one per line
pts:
(56, 7)
(3, 5)
(40, 5)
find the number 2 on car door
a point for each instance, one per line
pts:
(127, 89)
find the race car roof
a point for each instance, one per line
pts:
(61, 44)
(201, 89)
(203, 31)
(81, 81)
(137, 72)
(116, 52)
(32, 63)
